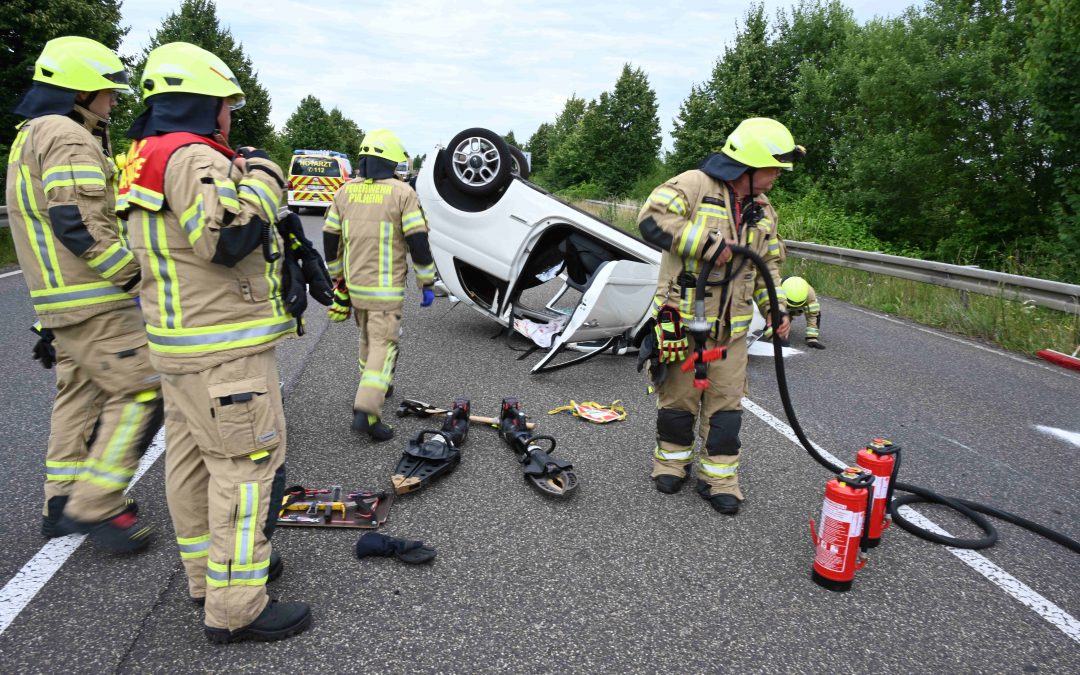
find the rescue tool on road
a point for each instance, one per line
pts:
(552, 476)
(433, 453)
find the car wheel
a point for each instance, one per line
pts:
(480, 162)
(519, 165)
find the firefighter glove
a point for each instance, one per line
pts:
(814, 344)
(43, 348)
(428, 297)
(671, 343)
(340, 308)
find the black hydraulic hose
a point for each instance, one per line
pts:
(969, 509)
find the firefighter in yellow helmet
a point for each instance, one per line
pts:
(373, 220)
(801, 299)
(83, 283)
(201, 223)
(694, 218)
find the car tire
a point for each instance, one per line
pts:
(479, 162)
(519, 166)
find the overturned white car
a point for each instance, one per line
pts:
(528, 260)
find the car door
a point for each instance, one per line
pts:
(613, 307)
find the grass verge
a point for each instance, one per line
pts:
(1013, 325)
(7, 248)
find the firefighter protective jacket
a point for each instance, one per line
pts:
(378, 221)
(61, 207)
(678, 217)
(813, 313)
(199, 226)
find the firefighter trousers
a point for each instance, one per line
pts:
(224, 448)
(379, 335)
(715, 411)
(107, 410)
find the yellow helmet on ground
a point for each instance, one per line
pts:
(384, 144)
(80, 64)
(797, 290)
(183, 68)
(761, 142)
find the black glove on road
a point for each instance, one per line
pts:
(405, 550)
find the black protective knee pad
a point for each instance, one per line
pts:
(277, 493)
(675, 426)
(723, 438)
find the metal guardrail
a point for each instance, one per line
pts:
(1052, 294)
(1055, 295)
(3, 216)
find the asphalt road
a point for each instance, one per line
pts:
(620, 578)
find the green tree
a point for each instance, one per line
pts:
(25, 27)
(347, 135)
(745, 82)
(511, 140)
(1051, 68)
(197, 22)
(564, 161)
(309, 126)
(538, 146)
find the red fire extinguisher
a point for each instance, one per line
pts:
(842, 528)
(881, 458)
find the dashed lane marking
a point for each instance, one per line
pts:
(21, 589)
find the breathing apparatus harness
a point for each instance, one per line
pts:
(971, 510)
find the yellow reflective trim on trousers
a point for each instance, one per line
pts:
(812, 332)
(63, 471)
(120, 441)
(40, 230)
(218, 337)
(719, 470)
(673, 455)
(194, 547)
(79, 295)
(814, 308)
(248, 509)
(385, 377)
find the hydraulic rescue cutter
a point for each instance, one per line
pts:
(433, 453)
(333, 507)
(550, 475)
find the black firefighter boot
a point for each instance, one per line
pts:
(278, 621)
(123, 533)
(55, 507)
(371, 425)
(726, 504)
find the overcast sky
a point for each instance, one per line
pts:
(430, 68)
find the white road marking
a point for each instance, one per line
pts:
(1061, 619)
(1067, 436)
(1058, 617)
(10, 274)
(766, 349)
(969, 343)
(21, 589)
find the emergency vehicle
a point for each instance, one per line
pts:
(314, 177)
